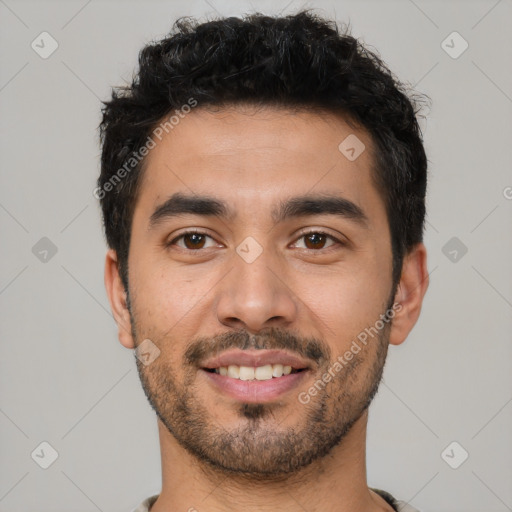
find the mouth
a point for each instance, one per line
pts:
(255, 376)
(266, 372)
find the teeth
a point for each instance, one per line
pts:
(263, 372)
(277, 370)
(266, 372)
(233, 371)
(246, 373)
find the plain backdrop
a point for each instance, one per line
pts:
(65, 379)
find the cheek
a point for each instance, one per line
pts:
(166, 293)
(346, 302)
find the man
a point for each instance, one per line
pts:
(263, 193)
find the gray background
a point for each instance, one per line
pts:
(66, 380)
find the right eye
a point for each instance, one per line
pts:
(192, 240)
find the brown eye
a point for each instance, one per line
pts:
(191, 240)
(194, 241)
(317, 240)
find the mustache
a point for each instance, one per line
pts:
(271, 338)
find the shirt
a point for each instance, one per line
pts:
(399, 506)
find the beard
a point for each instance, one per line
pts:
(259, 448)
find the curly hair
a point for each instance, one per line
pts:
(299, 61)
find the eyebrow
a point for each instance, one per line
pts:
(180, 204)
(300, 206)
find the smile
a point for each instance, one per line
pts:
(266, 372)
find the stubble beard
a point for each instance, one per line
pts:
(259, 448)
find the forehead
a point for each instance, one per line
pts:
(245, 155)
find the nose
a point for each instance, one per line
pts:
(254, 296)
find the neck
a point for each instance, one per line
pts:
(334, 483)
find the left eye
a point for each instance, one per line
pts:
(316, 240)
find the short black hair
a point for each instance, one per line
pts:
(299, 61)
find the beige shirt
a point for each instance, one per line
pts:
(401, 506)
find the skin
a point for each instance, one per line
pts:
(277, 455)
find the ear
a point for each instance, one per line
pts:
(409, 294)
(117, 298)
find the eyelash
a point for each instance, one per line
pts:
(302, 235)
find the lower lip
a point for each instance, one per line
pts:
(256, 391)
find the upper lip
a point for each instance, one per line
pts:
(255, 358)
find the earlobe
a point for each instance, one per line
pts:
(410, 292)
(117, 298)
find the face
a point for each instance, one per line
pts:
(257, 243)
